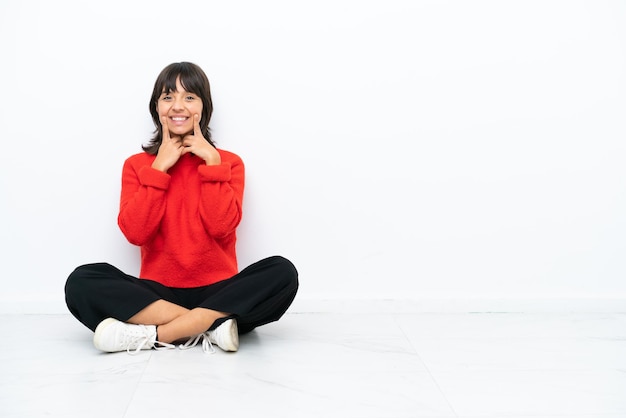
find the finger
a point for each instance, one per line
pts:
(196, 125)
(165, 128)
(187, 144)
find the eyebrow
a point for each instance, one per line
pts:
(176, 91)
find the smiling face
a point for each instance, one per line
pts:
(181, 90)
(179, 107)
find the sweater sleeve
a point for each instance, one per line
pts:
(142, 202)
(222, 195)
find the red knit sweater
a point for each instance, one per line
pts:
(183, 220)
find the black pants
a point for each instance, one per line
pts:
(259, 294)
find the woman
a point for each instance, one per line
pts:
(181, 202)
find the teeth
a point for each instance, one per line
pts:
(179, 118)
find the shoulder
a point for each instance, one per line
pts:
(231, 157)
(141, 158)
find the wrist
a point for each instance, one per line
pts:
(160, 167)
(213, 159)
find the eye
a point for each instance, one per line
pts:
(190, 98)
(166, 97)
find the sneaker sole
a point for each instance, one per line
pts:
(234, 336)
(97, 336)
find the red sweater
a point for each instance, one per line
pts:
(183, 220)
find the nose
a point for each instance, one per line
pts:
(178, 104)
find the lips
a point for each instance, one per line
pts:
(179, 120)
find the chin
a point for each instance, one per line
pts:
(181, 132)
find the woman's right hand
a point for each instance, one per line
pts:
(170, 150)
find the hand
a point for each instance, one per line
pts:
(170, 150)
(197, 144)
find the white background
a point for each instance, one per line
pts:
(420, 150)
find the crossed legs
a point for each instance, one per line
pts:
(175, 322)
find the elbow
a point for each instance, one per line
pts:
(133, 235)
(221, 230)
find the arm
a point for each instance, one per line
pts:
(221, 195)
(221, 184)
(142, 202)
(143, 191)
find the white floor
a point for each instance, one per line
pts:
(329, 365)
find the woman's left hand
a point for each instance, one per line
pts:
(197, 144)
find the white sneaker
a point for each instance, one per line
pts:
(207, 347)
(112, 335)
(226, 336)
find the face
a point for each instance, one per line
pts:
(179, 107)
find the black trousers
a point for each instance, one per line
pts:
(259, 294)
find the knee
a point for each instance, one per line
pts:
(74, 281)
(288, 272)
(78, 278)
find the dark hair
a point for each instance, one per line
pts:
(193, 80)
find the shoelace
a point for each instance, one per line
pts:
(163, 346)
(142, 340)
(207, 347)
(139, 338)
